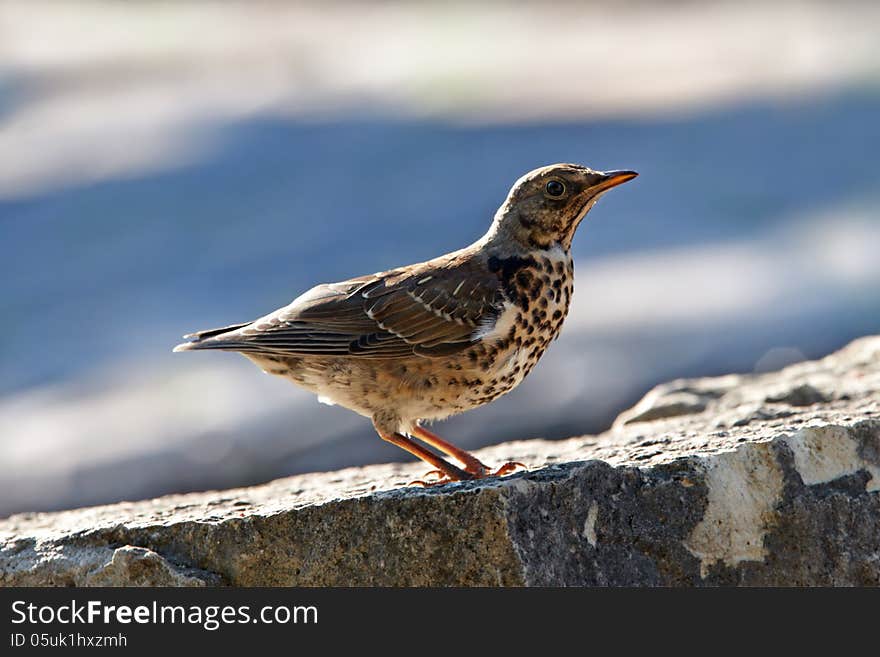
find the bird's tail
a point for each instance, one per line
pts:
(204, 339)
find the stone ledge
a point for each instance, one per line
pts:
(769, 479)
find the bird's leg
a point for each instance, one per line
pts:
(472, 464)
(449, 471)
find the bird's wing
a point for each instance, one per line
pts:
(433, 309)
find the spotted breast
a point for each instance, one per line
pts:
(537, 294)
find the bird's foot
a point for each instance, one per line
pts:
(432, 478)
(438, 477)
(507, 468)
(481, 471)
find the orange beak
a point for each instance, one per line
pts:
(613, 179)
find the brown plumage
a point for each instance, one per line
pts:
(429, 340)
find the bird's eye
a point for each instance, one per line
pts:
(555, 188)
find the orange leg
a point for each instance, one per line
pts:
(472, 464)
(449, 471)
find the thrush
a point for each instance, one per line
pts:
(426, 341)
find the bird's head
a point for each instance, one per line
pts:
(545, 206)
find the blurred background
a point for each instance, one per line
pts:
(168, 166)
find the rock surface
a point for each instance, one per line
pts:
(769, 479)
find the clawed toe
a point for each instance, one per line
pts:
(429, 484)
(507, 468)
(438, 477)
(432, 478)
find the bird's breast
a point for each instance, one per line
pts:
(538, 291)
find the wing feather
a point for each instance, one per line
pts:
(430, 310)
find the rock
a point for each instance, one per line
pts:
(770, 479)
(802, 395)
(29, 562)
(682, 397)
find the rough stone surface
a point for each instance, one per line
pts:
(770, 479)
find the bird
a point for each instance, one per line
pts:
(419, 343)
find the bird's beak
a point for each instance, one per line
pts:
(609, 179)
